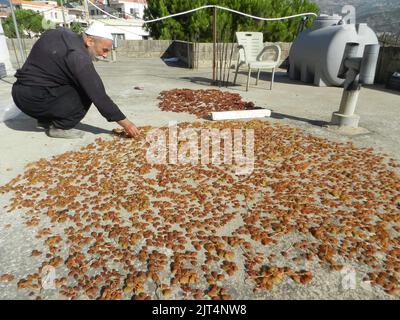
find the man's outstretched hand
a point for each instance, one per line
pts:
(129, 127)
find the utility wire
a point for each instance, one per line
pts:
(212, 6)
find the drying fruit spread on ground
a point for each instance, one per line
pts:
(201, 102)
(115, 227)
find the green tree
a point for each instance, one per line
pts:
(29, 23)
(76, 27)
(198, 26)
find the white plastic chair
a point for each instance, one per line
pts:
(251, 54)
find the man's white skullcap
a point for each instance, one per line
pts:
(98, 29)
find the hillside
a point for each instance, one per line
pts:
(381, 15)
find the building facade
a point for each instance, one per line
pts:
(128, 26)
(125, 30)
(48, 9)
(127, 9)
(130, 8)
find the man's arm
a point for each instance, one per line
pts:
(89, 80)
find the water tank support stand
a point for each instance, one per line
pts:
(345, 116)
(357, 71)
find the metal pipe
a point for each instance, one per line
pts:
(63, 14)
(230, 62)
(188, 53)
(221, 57)
(15, 53)
(216, 62)
(214, 43)
(24, 46)
(22, 53)
(196, 49)
(225, 61)
(85, 5)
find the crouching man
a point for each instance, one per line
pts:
(58, 82)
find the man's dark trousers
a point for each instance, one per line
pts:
(64, 106)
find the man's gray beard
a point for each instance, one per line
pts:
(97, 58)
(92, 56)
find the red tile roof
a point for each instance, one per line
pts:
(33, 3)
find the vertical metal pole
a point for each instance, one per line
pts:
(188, 54)
(198, 53)
(21, 51)
(230, 62)
(195, 54)
(221, 59)
(23, 45)
(85, 5)
(63, 14)
(226, 61)
(15, 53)
(214, 43)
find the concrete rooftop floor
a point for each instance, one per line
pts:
(293, 103)
(299, 104)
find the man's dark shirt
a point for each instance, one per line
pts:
(60, 58)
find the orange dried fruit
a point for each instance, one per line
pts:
(7, 277)
(167, 293)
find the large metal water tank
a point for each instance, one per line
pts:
(316, 54)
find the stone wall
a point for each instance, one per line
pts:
(13, 49)
(200, 55)
(125, 48)
(203, 53)
(143, 48)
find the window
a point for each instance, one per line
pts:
(92, 12)
(55, 15)
(119, 36)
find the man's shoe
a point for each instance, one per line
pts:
(64, 134)
(43, 124)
